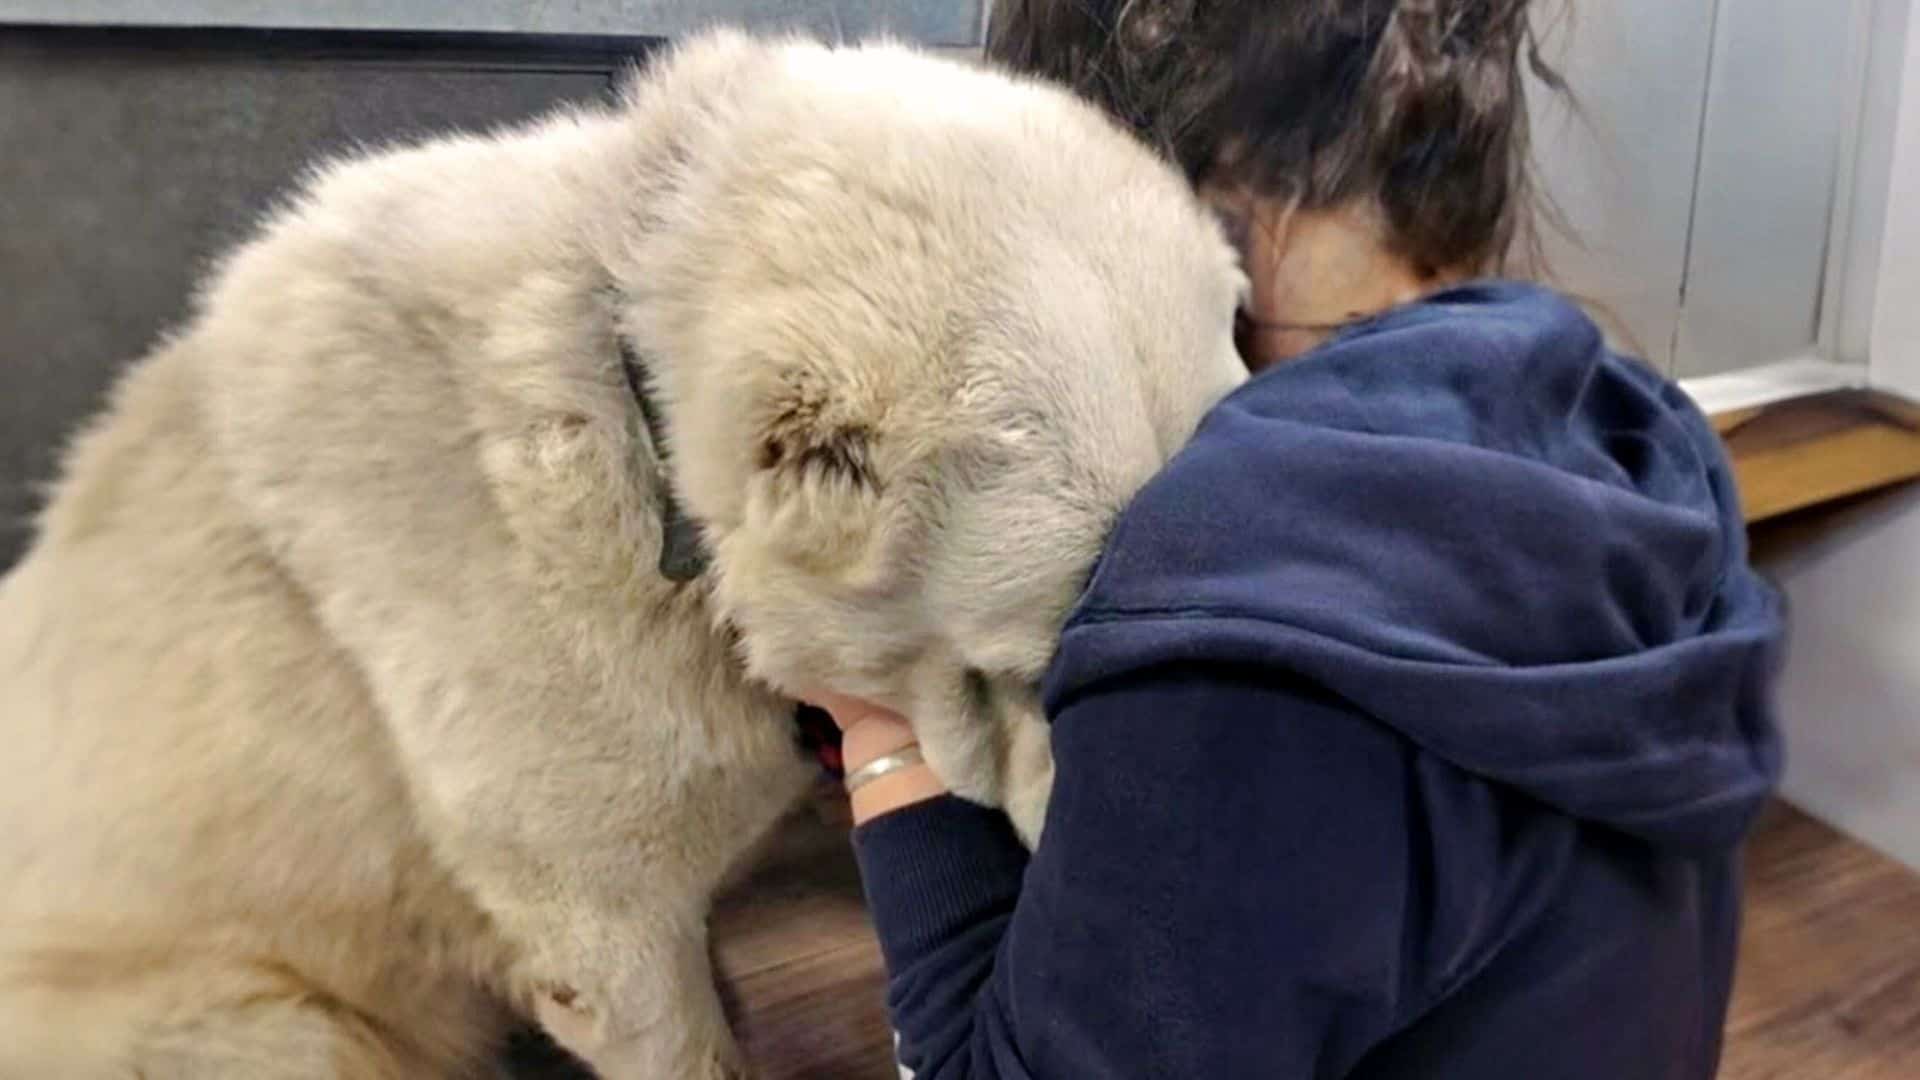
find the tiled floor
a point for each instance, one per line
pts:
(1829, 987)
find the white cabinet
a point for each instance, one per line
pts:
(1782, 91)
(1619, 160)
(1850, 693)
(1727, 176)
(1891, 293)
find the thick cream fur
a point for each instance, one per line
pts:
(345, 713)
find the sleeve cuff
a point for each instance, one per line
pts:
(934, 871)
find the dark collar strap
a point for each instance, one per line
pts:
(683, 551)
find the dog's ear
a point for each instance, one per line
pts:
(815, 491)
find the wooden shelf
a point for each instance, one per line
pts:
(1807, 451)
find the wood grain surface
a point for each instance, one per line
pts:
(1814, 450)
(1829, 986)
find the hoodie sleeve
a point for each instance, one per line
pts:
(1220, 891)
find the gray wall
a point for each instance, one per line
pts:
(130, 165)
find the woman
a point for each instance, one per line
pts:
(1413, 717)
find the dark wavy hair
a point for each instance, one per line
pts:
(1418, 106)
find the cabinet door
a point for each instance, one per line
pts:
(1619, 158)
(129, 168)
(1703, 170)
(1783, 91)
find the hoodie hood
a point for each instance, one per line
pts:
(1474, 523)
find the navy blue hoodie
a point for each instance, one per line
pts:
(1409, 727)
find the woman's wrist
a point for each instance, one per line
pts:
(895, 791)
(871, 739)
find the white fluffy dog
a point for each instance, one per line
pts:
(408, 645)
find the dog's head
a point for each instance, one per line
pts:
(921, 331)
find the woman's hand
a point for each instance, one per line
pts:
(867, 733)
